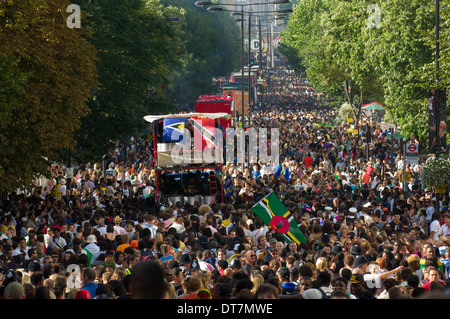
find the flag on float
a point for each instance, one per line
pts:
(287, 173)
(276, 216)
(174, 129)
(204, 133)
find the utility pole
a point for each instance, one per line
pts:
(436, 102)
(249, 67)
(242, 65)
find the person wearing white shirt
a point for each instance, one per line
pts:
(429, 210)
(261, 230)
(118, 230)
(63, 188)
(263, 169)
(178, 225)
(340, 164)
(326, 163)
(445, 229)
(399, 162)
(101, 227)
(149, 222)
(126, 191)
(374, 277)
(435, 226)
(57, 242)
(367, 218)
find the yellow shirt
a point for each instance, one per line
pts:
(226, 222)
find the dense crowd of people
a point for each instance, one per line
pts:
(97, 233)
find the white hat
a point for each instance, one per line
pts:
(367, 204)
(91, 239)
(352, 210)
(328, 208)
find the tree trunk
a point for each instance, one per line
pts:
(357, 111)
(348, 92)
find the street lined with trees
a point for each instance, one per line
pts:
(73, 86)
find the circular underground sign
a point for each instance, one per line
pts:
(412, 148)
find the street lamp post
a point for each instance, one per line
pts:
(209, 4)
(249, 68)
(437, 92)
(260, 46)
(437, 101)
(242, 63)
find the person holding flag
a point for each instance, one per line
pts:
(228, 187)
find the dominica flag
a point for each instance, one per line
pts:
(325, 124)
(173, 129)
(276, 216)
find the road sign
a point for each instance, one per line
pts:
(408, 177)
(440, 189)
(254, 45)
(412, 148)
(412, 153)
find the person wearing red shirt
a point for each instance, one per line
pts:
(366, 177)
(433, 276)
(308, 161)
(370, 168)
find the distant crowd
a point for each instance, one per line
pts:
(97, 233)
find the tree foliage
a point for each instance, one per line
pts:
(138, 49)
(330, 37)
(212, 50)
(404, 51)
(47, 72)
(383, 50)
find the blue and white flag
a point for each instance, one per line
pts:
(173, 129)
(228, 187)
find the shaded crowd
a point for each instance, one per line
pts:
(96, 233)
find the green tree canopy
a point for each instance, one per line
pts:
(47, 71)
(212, 50)
(138, 50)
(330, 38)
(382, 50)
(403, 49)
